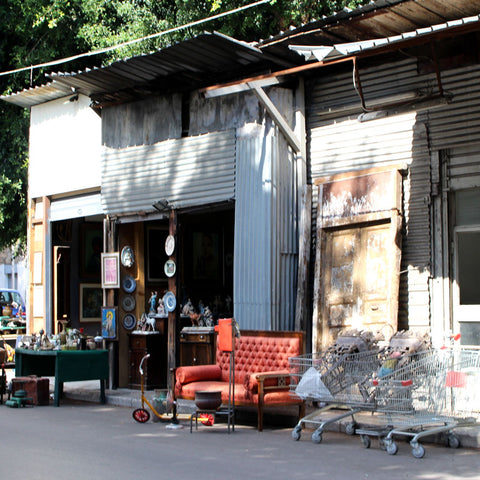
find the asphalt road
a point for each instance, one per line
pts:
(90, 441)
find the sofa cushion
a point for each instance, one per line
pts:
(197, 373)
(188, 390)
(242, 396)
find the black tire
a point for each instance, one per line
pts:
(141, 415)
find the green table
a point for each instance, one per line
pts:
(65, 366)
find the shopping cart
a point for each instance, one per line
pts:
(342, 379)
(435, 394)
(338, 381)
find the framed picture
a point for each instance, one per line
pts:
(206, 255)
(91, 300)
(110, 270)
(91, 238)
(156, 256)
(109, 322)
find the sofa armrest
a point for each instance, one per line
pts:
(276, 380)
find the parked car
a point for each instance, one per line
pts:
(14, 299)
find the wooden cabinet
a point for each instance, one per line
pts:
(155, 367)
(197, 346)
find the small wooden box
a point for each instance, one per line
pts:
(37, 388)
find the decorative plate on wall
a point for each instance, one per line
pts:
(170, 245)
(169, 301)
(170, 268)
(129, 321)
(126, 257)
(128, 303)
(129, 284)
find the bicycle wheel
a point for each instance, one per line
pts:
(141, 415)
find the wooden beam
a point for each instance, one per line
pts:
(277, 118)
(172, 316)
(305, 227)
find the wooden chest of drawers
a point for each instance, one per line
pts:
(197, 347)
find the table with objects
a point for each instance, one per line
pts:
(65, 366)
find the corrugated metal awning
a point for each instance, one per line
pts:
(200, 61)
(323, 53)
(380, 19)
(37, 95)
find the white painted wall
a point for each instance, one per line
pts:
(65, 147)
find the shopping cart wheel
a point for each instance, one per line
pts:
(366, 441)
(453, 441)
(350, 428)
(141, 415)
(317, 437)
(392, 448)
(418, 451)
(296, 433)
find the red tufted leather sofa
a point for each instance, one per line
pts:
(261, 372)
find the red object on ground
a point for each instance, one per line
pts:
(207, 419)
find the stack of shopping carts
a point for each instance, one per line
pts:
(409, 389)
(435, 394)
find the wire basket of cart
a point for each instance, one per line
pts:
(435, 394)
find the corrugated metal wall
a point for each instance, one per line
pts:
(266, 252)
(285, 258)
(458, 123)
(456, 127)
(186, 171)
(464, 167)
(339, 142)
(252, 283)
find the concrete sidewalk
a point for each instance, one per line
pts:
(89, 391)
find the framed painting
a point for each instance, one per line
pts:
(91, 301)
(91, 238)
(110, 270)
(109, 322)
(206, 255)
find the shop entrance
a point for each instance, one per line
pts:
(206, 273)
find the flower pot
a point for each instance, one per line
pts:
(205, 400)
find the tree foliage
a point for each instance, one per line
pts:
(38, 31)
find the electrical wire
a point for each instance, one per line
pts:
(137, 40)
